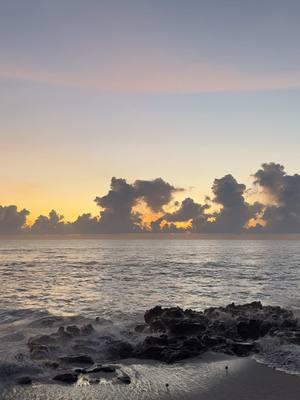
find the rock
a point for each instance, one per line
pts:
(70, 377)
(39, 353)
(124, 378)
(102, 368)
(51, 364)
(152, 313)
(241, 349)
(87, 329)
(24, 380)
(232, 329)
(249, 329)
(119, 349)
(80, 370)
(77, 359)
(212, 342)
(141, 328)
(37, 341)
(73, 330)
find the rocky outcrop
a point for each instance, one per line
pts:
(234, 329)
(168, 335)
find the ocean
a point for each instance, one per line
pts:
(118, 280)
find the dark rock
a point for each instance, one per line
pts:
(73, 330)
(120, 350)
(250, 329)
(124, 378)
(102, 368)
(69, 377)
(51, 364)
(232, 329)
(87, 329)
(141, 328)
(80, 370)
(242, 349)
(24, 380)
(212, 342)
(152, 313)
(77, 359)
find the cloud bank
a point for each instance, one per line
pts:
(225, 211)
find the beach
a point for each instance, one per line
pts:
(201, 378)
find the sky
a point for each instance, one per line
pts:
(183, 90)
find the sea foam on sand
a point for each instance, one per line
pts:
(201, 378)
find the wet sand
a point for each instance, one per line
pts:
(203, 378)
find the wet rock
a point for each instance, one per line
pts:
(119, 349)
(152, 313)
(24, 380)
(77, 359)
(124, 378)
(51, 364)
(37, 341)
(213, 342)
(87, 329)
(80, 370)
(102, 368)
(73, 330)
(241, 349)
(69, 377)
(250, 329)
(141, 328)
(233, 329)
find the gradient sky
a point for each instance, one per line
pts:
(183, 90)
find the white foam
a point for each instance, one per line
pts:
(282, 356)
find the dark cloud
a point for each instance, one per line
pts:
(156, 193)
(54, 223)
(284, 189)
(12, 220)
(187, 211)
(85, 223)
(118, 208)
(235, 211)
(118, 215)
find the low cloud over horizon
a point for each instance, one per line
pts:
(226, 211)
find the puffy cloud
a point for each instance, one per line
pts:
(12, 220)
(118, 215)
(48, 225)
(85, 223)
(187, 211)
(284, 189)
(235, 211)
(155, 193)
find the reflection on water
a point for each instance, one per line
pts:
(73, 281)
(111, 277)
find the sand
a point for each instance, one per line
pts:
(198, 379)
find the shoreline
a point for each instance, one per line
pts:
(203, 378)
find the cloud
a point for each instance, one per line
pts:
(235, 211)
(12, 220)
(118, 215)
(145, 77)
(187, 211)
(49, 225)
(85, 223)
(155, 193)
(284, 190)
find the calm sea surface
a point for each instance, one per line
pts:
(115, 278)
